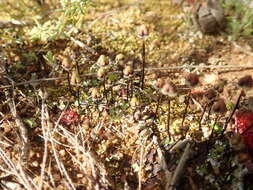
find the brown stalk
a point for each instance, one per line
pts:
(168, 119)
(185, 111)
(143, 64)
(232, 113)
(202, 115)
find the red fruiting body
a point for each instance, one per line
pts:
(69, 117)
(244, 126)
(243, 120)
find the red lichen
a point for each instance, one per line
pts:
(69, 117)
(244, 126)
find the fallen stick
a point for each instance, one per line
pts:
(162, 162)
(13, 24)
(228, 67)
(180, 167)
(23, 133)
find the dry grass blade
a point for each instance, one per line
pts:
(173, 68)
(141, 164)
(13, 24)
(45, 123)
(17, 171)
(162, 162)
(23, 133)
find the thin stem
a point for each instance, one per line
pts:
(231, 115)
(210, 108)
(112, 98)
(127, 89)
(215, 121)
(105, 93)
(202, 115)
(143, 64)
(185, 111)
(132, 83)
(78, 87)
(168, 119)
(157, 106)
(68, 77)
(177, 68)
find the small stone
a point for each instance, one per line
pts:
(35, 163)
(62, 152)
(79, 175)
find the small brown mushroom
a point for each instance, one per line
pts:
(158, 84)
(192, 79)
(219, 106)
(102, 61)
(210, 94)
(246, 81)
(169, 89)
(128, 71)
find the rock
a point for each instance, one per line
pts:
(209, 16)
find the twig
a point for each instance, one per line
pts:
(180, 167)
(141, 164)
(13, 24)
(229, 67)
(84, 46)
(45, 129)
(23, 133)
(200, 67)
(16, 171)
(162, 162)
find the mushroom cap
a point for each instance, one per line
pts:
(210, 94)
(219, 106)
(246, 81)
(169, 89)
(128, 70)
(101, 72)
(102, 61)
(192, 79)
(143, 31)
(158, 84)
